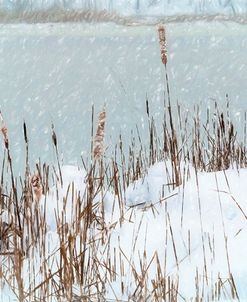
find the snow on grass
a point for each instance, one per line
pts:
(188, 233)
(222, 199)
(61, 199)
(144, 230)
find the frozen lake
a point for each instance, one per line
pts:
(55, 72)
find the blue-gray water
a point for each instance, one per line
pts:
(55, 72)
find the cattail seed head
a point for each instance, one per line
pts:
(4, 131)
(25, 132)
(98, 149)
(37, 187)
(162, 40)
(54, 137)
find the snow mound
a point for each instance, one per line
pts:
(200, 224)
(152, 188)
(206, 222)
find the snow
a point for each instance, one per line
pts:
(73, 188)
(152, 188)
(226, 189)
(214, 208)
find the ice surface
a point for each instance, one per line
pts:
(55, 72)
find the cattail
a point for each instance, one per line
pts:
(4, 131)
(98, 148)
(162, 40)
(54, 140)
(37, 187)
(25, 132)
(54, 137)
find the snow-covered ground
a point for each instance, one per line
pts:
(198, 230)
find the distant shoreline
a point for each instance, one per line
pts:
(77, 16)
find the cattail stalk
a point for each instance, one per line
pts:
(174, 146)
